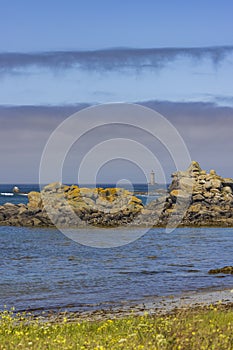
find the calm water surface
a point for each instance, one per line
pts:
(43, 269)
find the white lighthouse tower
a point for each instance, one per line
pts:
(152, 178)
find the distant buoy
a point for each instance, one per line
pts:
(16, 189)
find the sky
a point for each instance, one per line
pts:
(59, 57)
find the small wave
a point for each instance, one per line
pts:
(7, 194)
(22, 194)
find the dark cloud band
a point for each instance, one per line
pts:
(109, 59)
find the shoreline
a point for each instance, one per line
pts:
(122, 226)
(187, 326)
(157, 306)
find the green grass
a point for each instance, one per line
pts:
(201, 328)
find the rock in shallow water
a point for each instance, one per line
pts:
(225, 270)
(197, 198)
(68, 206)
(194, 198)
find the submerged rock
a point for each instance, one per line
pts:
(225, 270)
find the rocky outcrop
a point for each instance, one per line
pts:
(211, 200)
(72, 206)
(194, 198)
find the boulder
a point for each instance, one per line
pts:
(179, 194)
(198, 198)
(53, 187)
(194, 168)
(73, 193)
(34, 200)
(186, 184)
(88, 192)
(212, 172)
(228, 182)
(195, 208)
(227, 189)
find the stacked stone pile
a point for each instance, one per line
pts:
(194, 197)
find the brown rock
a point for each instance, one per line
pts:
(146, 212)
(194, 208)
(213, 183)
(197, 188)
(228, 182)
(198, 198)
(22, 209)
(175, 194)
(135, 200)
(208, 194)
(216, 184)
(88, 192)
(75, 192)
(9, 206)
(36, 222)
(227, 189)
(212, 172)
(53, 187)
(194, 167)
(34, 200)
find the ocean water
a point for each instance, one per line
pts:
(7, 195)
(42, 269)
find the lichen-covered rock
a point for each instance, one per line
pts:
(75, 206)
(34, 200)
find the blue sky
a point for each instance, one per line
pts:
(62, 54)
(73, 24)
(42, 28)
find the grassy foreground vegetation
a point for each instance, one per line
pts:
(201, 328)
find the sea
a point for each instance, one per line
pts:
(41, 269)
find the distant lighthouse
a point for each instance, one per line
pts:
(152, 178)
